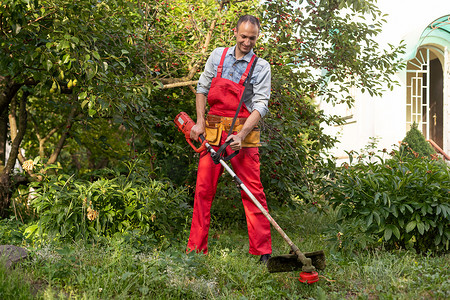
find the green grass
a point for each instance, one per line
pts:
(12, 285)
(118, 269)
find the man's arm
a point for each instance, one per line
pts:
(249, 124)
(203, 86)
(261, 89)
(199, 127)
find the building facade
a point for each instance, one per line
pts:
(423, 96)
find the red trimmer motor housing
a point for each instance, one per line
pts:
(184, 124)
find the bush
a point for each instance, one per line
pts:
(416, 141)
(11, 231)
(401, 200)
(113, 203)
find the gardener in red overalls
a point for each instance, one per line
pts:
(222, 85)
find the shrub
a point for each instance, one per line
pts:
(11, 231)
(112, 203)
(416, 141)
(401, 200)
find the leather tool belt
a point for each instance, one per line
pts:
(216, 124)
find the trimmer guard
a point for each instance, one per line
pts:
(290, 262)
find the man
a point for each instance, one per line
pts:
(222, 85)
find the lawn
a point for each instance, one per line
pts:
(134, 268)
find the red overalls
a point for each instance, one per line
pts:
(224, 97)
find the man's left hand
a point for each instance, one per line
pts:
(236, 144)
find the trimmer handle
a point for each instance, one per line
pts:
(217, 156)
(202, 146)
(184, 124)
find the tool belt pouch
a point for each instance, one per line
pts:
(212, 134)
(214, 129)
(252, 139)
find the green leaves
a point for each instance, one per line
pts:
(48, 65)
(96, 55)
(410, 226)
(401, 199)
(75, 208)
(314, 51)
(389, 230)
(117, 56)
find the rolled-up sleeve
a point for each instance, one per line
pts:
(261, 90)
(204, 82)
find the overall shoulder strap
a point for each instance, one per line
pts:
(247, 83)
(247, 71)
(222, 59)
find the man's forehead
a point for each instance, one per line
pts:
(247, 25)
(247, 34)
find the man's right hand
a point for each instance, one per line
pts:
(197, 130)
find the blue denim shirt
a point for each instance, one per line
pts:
(257, 97)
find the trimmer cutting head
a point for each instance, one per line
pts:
(308, 277)
(290, 262)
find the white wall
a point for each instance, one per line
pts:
(385, 117)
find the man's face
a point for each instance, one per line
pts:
(246, 35)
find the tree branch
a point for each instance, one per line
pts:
(20, 134)
(13, 130)
(42, 17)
(62, 140)
(49, 135)
(178, 84)
(172, 82)
(208, 37)
(43, 140)
(3, 137)
(8, 91)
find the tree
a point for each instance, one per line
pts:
(50, 52)
(94, 62)
(318, 50)
(92, 81)
(315, 51)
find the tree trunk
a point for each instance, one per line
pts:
(62, 139)
(8, 89)
(3, 138)
(4, 179)
(7, 92)
(5, 194)
(6, 187)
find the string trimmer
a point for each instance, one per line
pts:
(296, 260)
